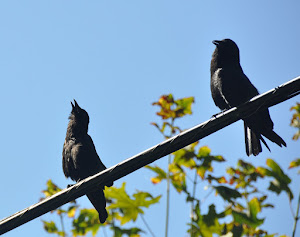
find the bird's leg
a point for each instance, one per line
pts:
(215, 115)
(70, 185)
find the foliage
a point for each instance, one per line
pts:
(238, 187)
(242, 212)
(122, 209)
(295, 122)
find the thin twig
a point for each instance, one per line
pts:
(168, 198)
(147, 226)
(62, 225)
(207, 195)
(168, 186)
(193, 197)
(297, 217)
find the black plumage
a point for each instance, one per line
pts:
(80, 159)
(230, 87)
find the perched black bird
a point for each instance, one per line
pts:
(80, 159)
(230, 87)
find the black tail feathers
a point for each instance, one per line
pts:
(252, 140)
(97, 198)
(274, 137)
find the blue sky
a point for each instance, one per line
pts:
(116, 58)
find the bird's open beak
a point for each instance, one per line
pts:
(216, 42)
(76, 105)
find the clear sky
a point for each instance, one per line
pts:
(117, 57)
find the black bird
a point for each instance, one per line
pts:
(80, 159)
(230, 87)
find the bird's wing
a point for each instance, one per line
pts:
(81, 158)
(69, 167)
(216, 90)
(236, 87)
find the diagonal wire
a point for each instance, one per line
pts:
(217, 122)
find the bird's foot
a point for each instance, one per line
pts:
(215, 115)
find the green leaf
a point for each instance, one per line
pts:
(177, 176)
(184, 106)
(161, 174)
(227, 193)
(220, 180)
(185, 156)
(132, 232)
(165, 103)
(251, 217)
(206, 225)
(128, 207)
(294, 163)
(277, 171)
(242, 218)
(281, 180)
(51, 228)
(72, 210)
(295, 122)
(204, 151)
(87, 221)
(51, 189)
(206, 158)
(237, 230)
(254, 207)
(169, 108)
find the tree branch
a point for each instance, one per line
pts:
(270, 98)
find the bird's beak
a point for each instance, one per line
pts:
(216, 42)
(76, 104)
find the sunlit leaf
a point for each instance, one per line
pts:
(242, 218)
(170, 108)
(206, 225)
(249, 218)
(294, 163)
(204, 151)
(177, 176)
(220, 180)
(131, 232)
(52, 188)
(161, 174)
(87, 221)
(295, 122)
(50, 227)
(129, 207)
(185, 157)
(201, 170)
(72, 211)
(184, 106)
(254, 207)
(281, 180)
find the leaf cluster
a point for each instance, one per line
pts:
(122, 209)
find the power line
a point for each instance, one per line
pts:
(217, 122)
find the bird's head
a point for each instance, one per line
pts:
(227, 51)
(79, 115)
